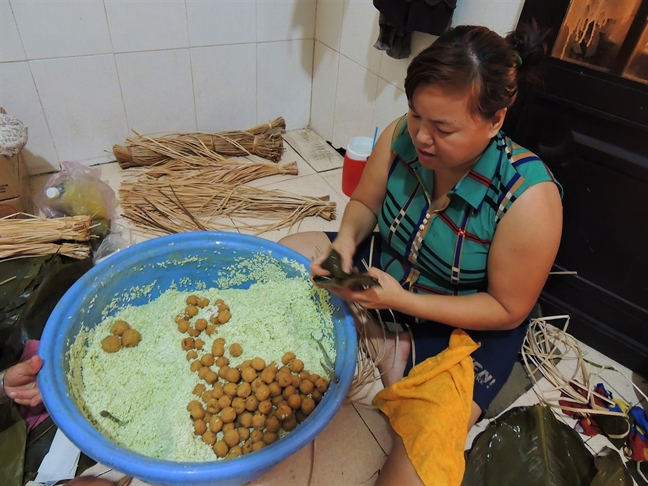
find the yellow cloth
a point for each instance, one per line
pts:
(430, 410)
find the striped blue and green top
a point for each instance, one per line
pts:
(446, 252)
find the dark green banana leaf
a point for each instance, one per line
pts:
(13, 436)
(529, 446)
(611, 470)
(27, 300)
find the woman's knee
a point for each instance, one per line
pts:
(309, 243)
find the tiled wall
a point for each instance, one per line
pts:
(355, 86)
(81, 73)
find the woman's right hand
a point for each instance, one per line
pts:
(345, 247)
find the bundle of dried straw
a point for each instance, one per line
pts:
(23, 235)
(264, 141)
(185, 205)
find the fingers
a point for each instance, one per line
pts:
(35, 364)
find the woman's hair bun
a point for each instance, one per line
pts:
(530, 43)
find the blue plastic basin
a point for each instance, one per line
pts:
(138, 266)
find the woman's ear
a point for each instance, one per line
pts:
(497, 121)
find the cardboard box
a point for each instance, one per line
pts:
(15, 192)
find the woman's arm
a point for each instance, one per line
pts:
(361, 213)
(521, 255)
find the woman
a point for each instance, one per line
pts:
(469, 222)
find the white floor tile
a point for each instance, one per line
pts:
(314, 149)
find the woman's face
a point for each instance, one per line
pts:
(445, 132)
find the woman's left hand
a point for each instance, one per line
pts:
(386, 295)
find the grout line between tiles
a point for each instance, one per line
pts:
(368, 428)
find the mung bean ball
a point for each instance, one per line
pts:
(191, 310)
(244, 433)
(308, 405)
(283, 380)
(203, 371)
(217, 392)
(251, 403)
(265, 407)
(212, 406)
(234, 452)
(288, 391)
(131, 338)
(192, 404)
(300, 416)
(199, 389)
(306, 387)
(247, 446)
(236, 350)
(296, 365)
(249, 374)
(256, 435)
(218, 348)
(227, 427)
(257, 446)
(209, 437)
(230, 389)
(284, 410)
(268, 374)
(220, 448)
(183, 325)
(188, 343)
(275, 389)
(270, 437)
(207, 417)
(295, 380)
(304, 374)
(232, 437)
(273, 424)
(245, 419)
(196, 366)
(119, 327)
(233, 375)
(256, 383)
(289, 423)
(199, 344)
(224, 316)
(193, 354)
(211, 377)
(288, 357)
(216, 424)
(313, 377)
(222, 371)
(316, 395)
(244, 390)
(228, 415)
(197, 412)
(200, 427)
(201, 324)
(211, 329)
(222, 361)
(258, 364)
(224, 401)
(192, 300)
(111, 344)
(208, 395)
(294, 401)
(258, 420)
(238, 404)
(204, 302)
(322, 385)
(277, 400)
(193, 332)
(207, 359)
(262, 393)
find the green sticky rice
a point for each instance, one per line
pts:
(147, 387)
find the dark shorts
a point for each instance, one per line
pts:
(493, 361)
